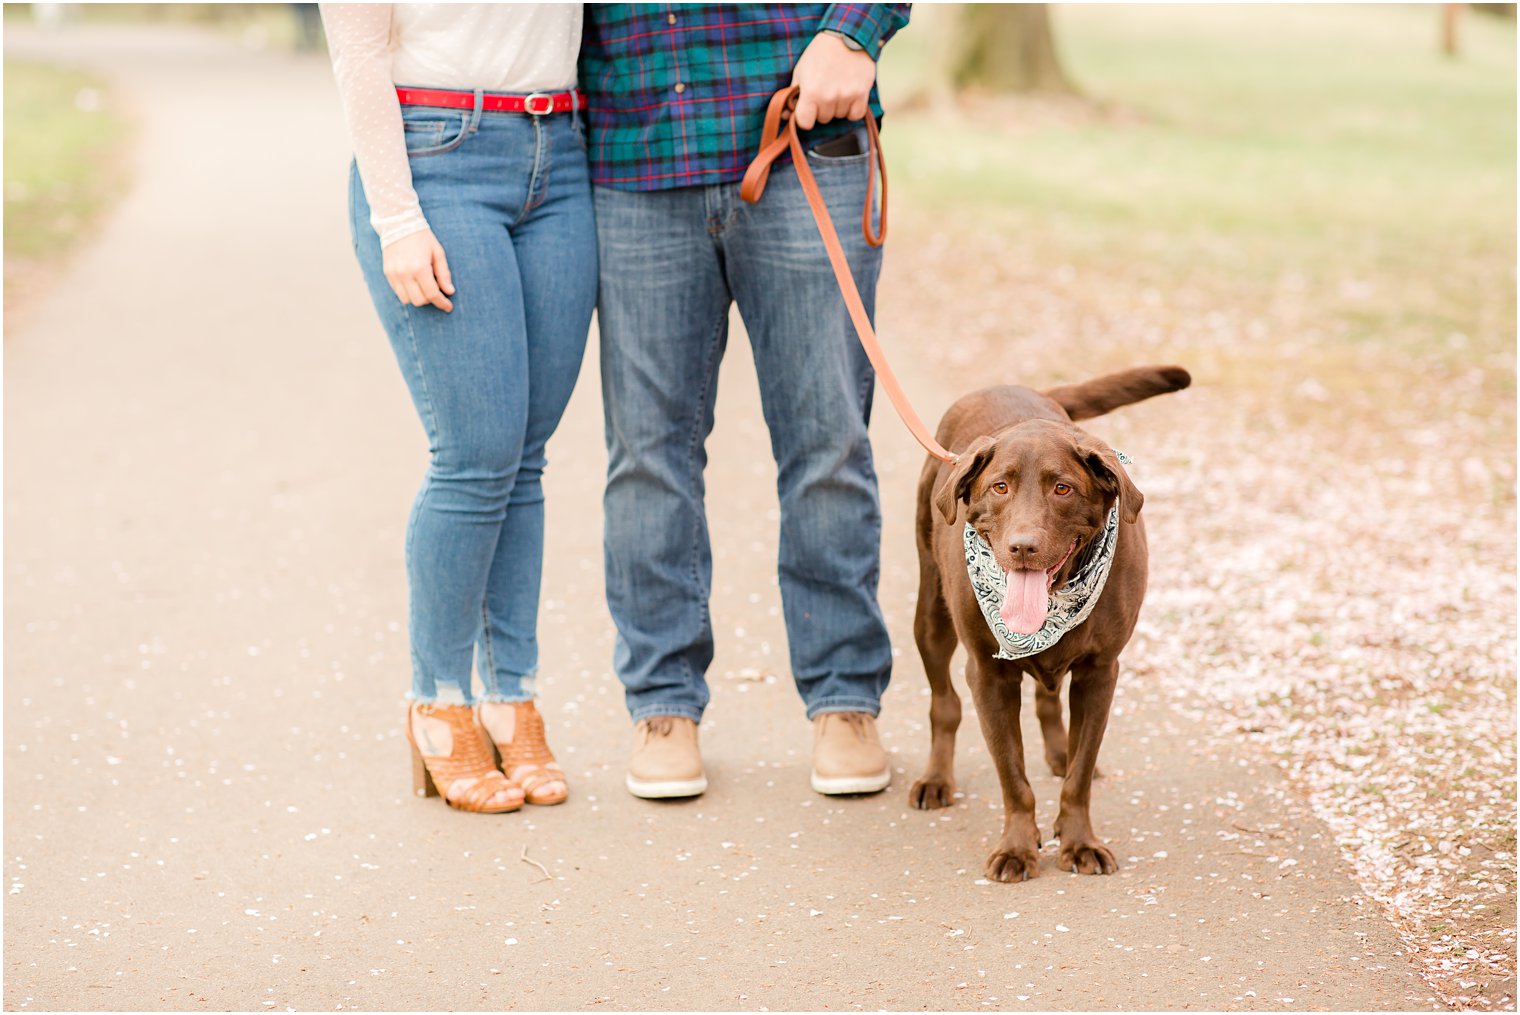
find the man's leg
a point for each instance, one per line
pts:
(663, 321)
(816, 385)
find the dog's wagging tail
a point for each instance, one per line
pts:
(1104, 394)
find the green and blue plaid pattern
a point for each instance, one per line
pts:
(676, 93)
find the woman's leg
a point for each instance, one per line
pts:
(555, 243)
(555, 239)
(467, 373)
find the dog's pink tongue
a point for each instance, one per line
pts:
(1026, 602)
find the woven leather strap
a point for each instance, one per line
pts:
(529, 747)
(469, 758)
(780, 134)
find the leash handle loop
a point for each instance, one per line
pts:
(779, 134)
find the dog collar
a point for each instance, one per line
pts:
(1069, 605)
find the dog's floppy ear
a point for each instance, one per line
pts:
(1103, 462)
(956, 486)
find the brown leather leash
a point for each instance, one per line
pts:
(780, 134)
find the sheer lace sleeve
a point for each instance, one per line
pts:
(358, 36)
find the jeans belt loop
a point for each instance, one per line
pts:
(480, 103)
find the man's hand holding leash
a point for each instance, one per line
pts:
(836, 81)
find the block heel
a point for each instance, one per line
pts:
(469, 757)
(422, 782)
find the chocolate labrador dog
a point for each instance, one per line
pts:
(1031, 553)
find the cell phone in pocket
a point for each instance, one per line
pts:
(840, 147)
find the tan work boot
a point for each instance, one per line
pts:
(665, 761)
(847, 754)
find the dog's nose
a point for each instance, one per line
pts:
(1023, 547)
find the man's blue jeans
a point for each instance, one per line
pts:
(672, 261)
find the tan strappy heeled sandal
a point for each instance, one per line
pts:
(469, 758)
(527, 761)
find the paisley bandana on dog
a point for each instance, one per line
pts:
(1069, 605)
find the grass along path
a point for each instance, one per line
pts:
(63, 168)
(1325, 155)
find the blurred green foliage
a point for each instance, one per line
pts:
(62, 164)
(274, 25)
(1230, 147)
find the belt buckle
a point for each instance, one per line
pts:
(545, 107)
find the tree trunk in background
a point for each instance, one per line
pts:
(1008, 48)
(1449, 15)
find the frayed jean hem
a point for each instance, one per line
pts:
(827, 705)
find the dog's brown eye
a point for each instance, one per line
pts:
(1062, 489)
(1000, 488)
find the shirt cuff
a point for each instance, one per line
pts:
(871, 25)
(395, 227)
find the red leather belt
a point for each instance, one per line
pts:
(536, 104)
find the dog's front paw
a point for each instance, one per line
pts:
(1015, 863)
(1091, 857)
(931, 792)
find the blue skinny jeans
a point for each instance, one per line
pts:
(508, 196)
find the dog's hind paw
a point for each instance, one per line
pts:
(1016, 864)
(1057, 763)
(1087, 858)
(931, 792)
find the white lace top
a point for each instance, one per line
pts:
(513, 48)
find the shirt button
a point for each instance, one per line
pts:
(671, 18)
(680, 87)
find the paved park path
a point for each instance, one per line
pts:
(209, 457)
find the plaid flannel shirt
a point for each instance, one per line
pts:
(676, 93)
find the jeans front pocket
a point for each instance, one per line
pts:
(429, 131)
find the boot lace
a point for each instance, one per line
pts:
(660, 725)
(857, 723)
